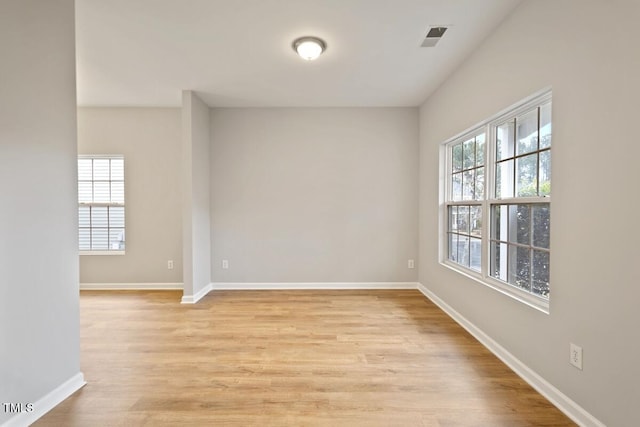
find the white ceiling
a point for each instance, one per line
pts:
(237, 53)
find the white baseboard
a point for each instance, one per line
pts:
(192, 299)
(555, 396)
(236, 286)
(47, 402)
(130, 286)
(220, 286)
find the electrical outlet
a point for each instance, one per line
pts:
(575, 355)
(225, 264)
(170, 264)
(411, 264)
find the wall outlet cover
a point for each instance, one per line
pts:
(575, 355)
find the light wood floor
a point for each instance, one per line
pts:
(288, 358)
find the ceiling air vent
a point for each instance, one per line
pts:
(433, 36)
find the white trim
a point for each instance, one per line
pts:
(101, 156)
(539, 97)
(47, 402)
(228, 286)
(311, 285)
(93, 253)
(511, 291)
(555, 396)
(130, 286)
(192, 299)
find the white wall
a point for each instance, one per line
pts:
(149, 139)
(587, 51)
(314, 195)
(39, 317)
(196, 213)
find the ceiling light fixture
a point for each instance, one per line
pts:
(309, 48)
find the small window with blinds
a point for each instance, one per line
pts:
(101, 205)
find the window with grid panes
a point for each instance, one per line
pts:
(507, 182)
(101, 209)
(464, 234)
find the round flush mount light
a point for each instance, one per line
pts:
(309, 48)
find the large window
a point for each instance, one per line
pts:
(101, 204)
(498, 201)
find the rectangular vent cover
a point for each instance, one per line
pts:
(433, 36)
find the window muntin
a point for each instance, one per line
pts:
(519, 245)
(101, 209)
(467, 184)
(523, 154)
(465, 235)
(467, 174)
(510, 249)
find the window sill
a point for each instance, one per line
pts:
(533, 301)
(102, 252)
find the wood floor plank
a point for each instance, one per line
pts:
(288, 358)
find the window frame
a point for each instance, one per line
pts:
(102, 204)
(489, 199)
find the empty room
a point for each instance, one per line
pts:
(319, 213)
